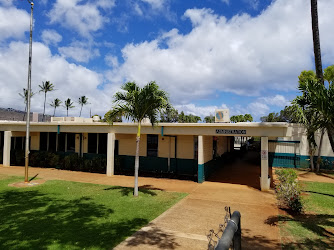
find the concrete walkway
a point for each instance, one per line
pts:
(186, 224)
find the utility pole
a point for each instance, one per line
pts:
(28, 101)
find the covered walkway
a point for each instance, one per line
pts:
(242, 169)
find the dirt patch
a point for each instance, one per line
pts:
(23, 184)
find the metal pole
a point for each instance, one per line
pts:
(232, 230)
(28, 101)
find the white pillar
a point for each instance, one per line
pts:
(6, 148)
(265, 181)
(201, 162)
(110, 154)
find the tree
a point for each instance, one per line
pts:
(111, 117)
(272, 117)
(188, 118)
(248, 117)
(170, 115)
(56, 103)
(83, 100)
(209, 119)
(137, 103)
(316, 41)
(68, 105)
(45, 87)
(24, 95)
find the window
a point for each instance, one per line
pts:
(103, 139)
(92, 143)
(52, 141)
(61, 142)
(152, 145)
(70, 142)
(43, 141)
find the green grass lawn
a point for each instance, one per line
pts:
(72, 215)
(315, 228)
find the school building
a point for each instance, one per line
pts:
(181, 148)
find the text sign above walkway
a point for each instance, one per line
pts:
(231, 131)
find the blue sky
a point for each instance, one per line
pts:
(244, 55)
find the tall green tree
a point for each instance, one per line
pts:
(111, 117)
(316, 40)
(83, 100)
(209, 119)
(45, 87)
(170, 115)
(24, 95)
(68, 105)
(136, 104)
(55, 104)
(248, 117)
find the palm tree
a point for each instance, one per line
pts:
(83, 100)
(24, 95)
(137, 104)
(68, 105)
(45, 87)
(56, 103)
(316, 40)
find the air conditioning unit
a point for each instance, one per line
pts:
(222, 115)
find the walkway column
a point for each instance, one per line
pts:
(110, 154)
(200, 149)
(6, 148)
(265, 182)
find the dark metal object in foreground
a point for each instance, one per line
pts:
(228, 235)
(232, 234)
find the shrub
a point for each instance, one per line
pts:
(288, 190)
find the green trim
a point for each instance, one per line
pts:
(182, 167)
(162, 130)
(280, 141)
(298, 161)
(201, 175)
(58, 130)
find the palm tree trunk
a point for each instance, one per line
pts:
(316, 40)
(319, 150)
(67, 111)
(330, 132)
(25, 111)
(54, 112)
(135, 192)
(311, 153)
(80, 111)
(44, 106)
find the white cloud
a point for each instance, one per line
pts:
(111, 60)
(201, 111)
(79, 52)
(51, 37)
(13, 23)
(70, 80)
(155, 4)
(226, 1)
(244, 55)
(84, 18)
(277, 100)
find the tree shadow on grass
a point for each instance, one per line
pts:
(318, 224)
(126, 191)
(34, 220)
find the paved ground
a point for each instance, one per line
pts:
(186, 225)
